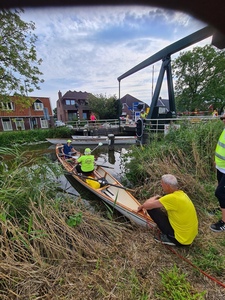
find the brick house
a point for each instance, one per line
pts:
(130, 105)
(73, 106)
(14, 117)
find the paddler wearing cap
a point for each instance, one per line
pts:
(68, 149)
(86, 163)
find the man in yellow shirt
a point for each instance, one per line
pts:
(86, 163)
(178, 223)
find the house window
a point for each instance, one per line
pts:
(33, 123)
(6, 124)
(44, 123)
(38, 106)
(70, 102)
(7, 106)
(72, 116)
(19, 123)
(85, 117)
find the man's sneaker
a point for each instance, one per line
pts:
(218, 227)
(162, 238)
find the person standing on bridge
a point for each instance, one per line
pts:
(93, 117)
(143, 114)
(220, 169)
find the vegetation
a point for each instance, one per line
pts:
(105, 108)
(31, 136)
(19, 73)
(53, 247)
(200, 79)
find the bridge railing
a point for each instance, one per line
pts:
(164, 125)
(87, 124)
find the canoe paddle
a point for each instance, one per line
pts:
(102, 181)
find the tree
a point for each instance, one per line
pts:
(199, 78)
(105, 108)
(19, 73)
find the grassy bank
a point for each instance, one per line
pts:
(53, 247)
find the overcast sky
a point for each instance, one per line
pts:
(87, 49)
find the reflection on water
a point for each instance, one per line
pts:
(66, 186)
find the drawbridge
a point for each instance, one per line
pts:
(165, 56)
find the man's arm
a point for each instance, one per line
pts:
(151, 203)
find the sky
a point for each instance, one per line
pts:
(87, 49)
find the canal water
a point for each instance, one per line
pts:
(112, 160)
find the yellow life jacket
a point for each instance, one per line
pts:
(220, 151)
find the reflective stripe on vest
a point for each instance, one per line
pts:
(220, 151)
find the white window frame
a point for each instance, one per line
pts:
(19, 123)
(7, 105)
(44, 123)
(38, 106)
(7, 125)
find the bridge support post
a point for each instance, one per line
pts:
(111, 138)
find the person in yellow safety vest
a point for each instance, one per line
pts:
(86, 163)
(220, 169)
(143, 114)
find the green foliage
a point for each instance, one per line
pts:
(176, 286)
(30, 136)
(23, 179)
(132, 285)
(200, 78)
(209, 259)
(19, 71)
(191, 149)
(105, 108)
(74, 220)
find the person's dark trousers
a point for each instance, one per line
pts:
(220, 190)
(162, 221)
(78, 169)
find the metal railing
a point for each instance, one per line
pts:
(164, 125)
(87, 124)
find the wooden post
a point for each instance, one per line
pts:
(111, 138)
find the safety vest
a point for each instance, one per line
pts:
(220, 151)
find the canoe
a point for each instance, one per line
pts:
(109, 190)
(94, 140)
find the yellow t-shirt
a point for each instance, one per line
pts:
(182, 216)
(87, 162)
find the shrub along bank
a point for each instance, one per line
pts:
(31, 136)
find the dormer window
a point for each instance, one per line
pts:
(6, 106)
(38, 105)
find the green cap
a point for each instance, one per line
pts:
(69, 141)
(87, 151)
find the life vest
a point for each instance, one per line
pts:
(220, 151)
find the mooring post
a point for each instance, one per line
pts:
(111, 138)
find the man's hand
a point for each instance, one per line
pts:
(140, 208)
